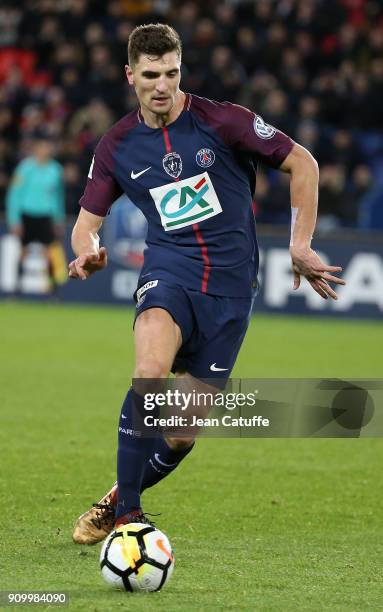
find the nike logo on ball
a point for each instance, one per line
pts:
(135, 175)
(214, 368)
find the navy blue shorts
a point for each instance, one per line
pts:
(212, 327)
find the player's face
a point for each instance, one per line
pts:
(156, 81)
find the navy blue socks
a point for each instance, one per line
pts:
(162, 462)
(135, 447)
(143, 456)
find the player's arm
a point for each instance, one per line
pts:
(100, 192)
(244, 130)
(304, 173)
(86, 245)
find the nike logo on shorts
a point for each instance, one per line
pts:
(214, 368)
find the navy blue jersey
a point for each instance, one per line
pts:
(194, 181)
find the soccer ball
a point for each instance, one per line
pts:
(137, 557)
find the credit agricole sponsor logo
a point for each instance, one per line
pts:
(186, 202)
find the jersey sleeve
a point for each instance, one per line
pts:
(102, 188)
(246, 131)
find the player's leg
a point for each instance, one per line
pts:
(169, 451)
(157, 340)
(223, 323)
(226, 320)
(167, 454)
(172, 450)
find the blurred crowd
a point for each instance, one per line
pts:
(312, 68)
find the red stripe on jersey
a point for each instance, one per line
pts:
(168, 146)
(200, 240)
(200, 183)
(205, 257)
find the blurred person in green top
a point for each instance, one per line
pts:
(35, 208)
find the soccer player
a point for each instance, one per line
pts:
(189, 164)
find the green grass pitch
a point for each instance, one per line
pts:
(255, 524)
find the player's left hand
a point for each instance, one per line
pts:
(307, 263)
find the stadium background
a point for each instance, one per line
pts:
(312, 68)
(256, 524)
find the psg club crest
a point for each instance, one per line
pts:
(264, 130)
(205, 158)
(172, 164)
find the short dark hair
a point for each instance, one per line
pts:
(152, 39)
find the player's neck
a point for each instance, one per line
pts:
(154, 120)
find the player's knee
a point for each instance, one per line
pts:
(179, 443)
(152, 368)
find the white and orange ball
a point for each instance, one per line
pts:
(137, 557)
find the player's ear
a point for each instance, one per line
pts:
(129, 74)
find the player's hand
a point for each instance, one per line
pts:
(88, 263)
(307, 263)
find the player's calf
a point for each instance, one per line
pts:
(179, 443)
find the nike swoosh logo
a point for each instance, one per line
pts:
(214, 368)
(123, 416)
(157, 458)
(161, 546)
(135, 175)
